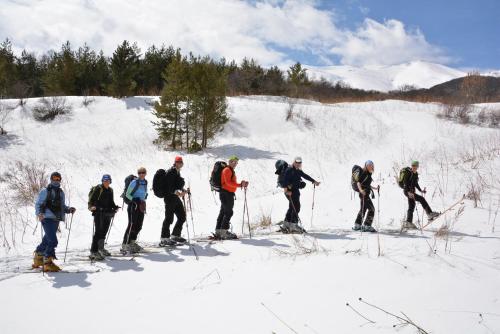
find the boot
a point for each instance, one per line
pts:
(126, 249)
(433, 215)
(357, 227)
(178, 239)
(49, 265)
(167, 242)
(104, 252)
(409, 226)
(289, 227)
(135, 247)
(368, 228)
(224, 234)
(37, 260)
(96, 256)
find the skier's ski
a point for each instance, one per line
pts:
(430, 221)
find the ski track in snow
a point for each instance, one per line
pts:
(270, 282)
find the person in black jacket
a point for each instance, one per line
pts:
(293, 183)
(174, 184)
(103, 208)
(363, 179)
(410, 187)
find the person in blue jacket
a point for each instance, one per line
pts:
(293, 183)
(137, 193)
(50, 208)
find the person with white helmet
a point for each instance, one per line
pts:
(362, 179)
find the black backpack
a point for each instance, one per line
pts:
(92, 191)
(281, 167)
(160, 183)
(404, 174)
(129, 179)
(355, 170)
(216, 176)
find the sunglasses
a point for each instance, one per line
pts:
(56, 179)
(141, 173)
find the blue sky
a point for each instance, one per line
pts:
(467, 30)
(458, 33)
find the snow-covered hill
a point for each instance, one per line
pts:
(271, 283)
(420, 74)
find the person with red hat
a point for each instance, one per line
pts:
(173, 189)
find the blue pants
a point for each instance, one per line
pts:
(49, 241)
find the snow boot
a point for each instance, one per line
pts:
(292, 227)
(49, 265)
(409, 226)
(178, 239)
(223, 234)
(357, 227)
(167, 242)
(126, 249)
(37, 260)
(433, 215)
(104, 252)
(135, 247)
(368, 228)
(96, 256)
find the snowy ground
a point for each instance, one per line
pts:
(444, 284)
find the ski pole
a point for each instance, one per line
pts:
(41, 233)
(67, 241)
(312, 208)
(187, 229)
(109, 230)
(378, 219)
(191, 211)
(130, 221)
(245, 206)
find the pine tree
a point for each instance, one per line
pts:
(60, 77)
(7, 68)
(297, 77)
(152, 66)
(124, 70)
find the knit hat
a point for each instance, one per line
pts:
(414, 163)
(369, 163)
(233, 158)
(106, 177)
(55, 174)
(178, 159)
(298, 160)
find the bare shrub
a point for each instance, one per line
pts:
(49, 108)
(459, 112)
(263, 222)
(302, 246)
(25, 180)
(5, 113)
(87, 100)
(290, 111)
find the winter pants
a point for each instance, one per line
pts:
(101, 227)
(412, 203)
(135, 220)
(366, 204)
(226, 210)
(292, 215)
(173, 206)
(49, 240)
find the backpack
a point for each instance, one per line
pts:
(129, 179)
(92, 192)
(281, 167)
(355, 170)
(216, 176)
(53, 204)
(404, 174)
(160, 183)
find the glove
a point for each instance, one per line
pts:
(72, 210)
(302, 185)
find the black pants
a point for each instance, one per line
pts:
(292, 215)
(101, 227)
(366, 204)
(135, 220)
(173, 205)
(412, 203)
(226, 210)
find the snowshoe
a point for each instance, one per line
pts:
(96, 256)
(433, 215)
(368, 228)
(224, 235)
(288, 227)
(409, 226)
(357, 227)
(178, 239)
(167, 242)
(135, 247)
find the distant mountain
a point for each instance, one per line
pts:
(385, 78)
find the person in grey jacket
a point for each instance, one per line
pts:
(50, 209)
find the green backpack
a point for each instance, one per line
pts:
(92, 191)
(404, 174)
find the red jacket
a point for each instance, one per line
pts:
(228, 180)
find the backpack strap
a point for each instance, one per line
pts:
(137, 184)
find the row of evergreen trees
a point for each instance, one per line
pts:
(127, 72)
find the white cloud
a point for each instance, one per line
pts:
(265, 30)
